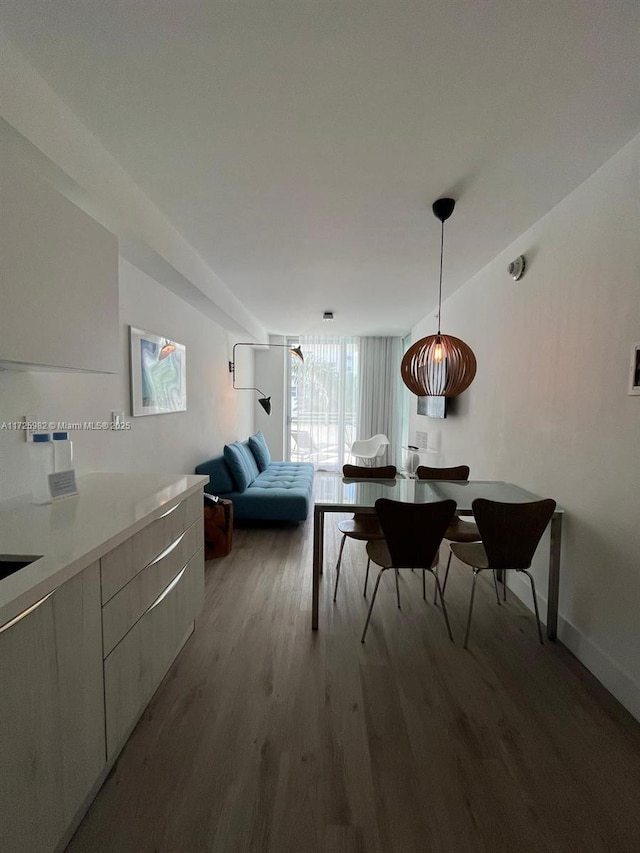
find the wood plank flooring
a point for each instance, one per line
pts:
(266, 737)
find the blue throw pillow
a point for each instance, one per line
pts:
(252, 465)
(220, 480)
(236, 458)
(260, 450)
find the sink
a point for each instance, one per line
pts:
(10, 563)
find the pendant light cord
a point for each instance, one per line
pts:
(440, 287)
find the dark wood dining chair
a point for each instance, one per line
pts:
(510, 535)
(459, 530)
(412, 537)
(364, 526)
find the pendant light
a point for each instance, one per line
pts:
(439, 365)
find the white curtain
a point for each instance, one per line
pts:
(323, 401)
(381, 398)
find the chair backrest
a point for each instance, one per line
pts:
(379, 438)
(511, 531)
(458, 472)
(303, 440)
(413, 532)
(368, 448)
(361, 472)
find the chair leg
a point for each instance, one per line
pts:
(435, 590)
(495, 586)
(444, 606)
(535, 604)
(446, 574)
(444, 583)
(335, 591)
(473, 591)
(397, 588)
(504, 584)
(366, 577)
(375, 592)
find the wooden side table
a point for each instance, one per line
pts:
(218, 527)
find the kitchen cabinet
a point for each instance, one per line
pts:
(52, 743)
(87, 633)
(59, 280)
(137, 665)
(147, 621)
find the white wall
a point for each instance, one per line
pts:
(173, 443)
(59, 266)
(271, 372)
(37, 126)
(549, 408)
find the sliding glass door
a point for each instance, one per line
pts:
(323, 401)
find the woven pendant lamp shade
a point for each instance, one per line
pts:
(439, 365)
(448, 376)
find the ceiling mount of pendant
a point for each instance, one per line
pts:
(443, 208)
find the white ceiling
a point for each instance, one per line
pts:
(298, 144)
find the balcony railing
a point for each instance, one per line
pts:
(322, 439)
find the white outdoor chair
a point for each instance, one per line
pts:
(370, 448)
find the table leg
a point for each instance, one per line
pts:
(318, 542)
(554, 576)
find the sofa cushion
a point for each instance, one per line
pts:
(220, 479)
(250, 459)
(260, 450)
(281, 493)
(235, 456)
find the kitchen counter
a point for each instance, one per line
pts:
(73, 532)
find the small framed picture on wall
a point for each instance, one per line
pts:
(634, 371)
(158, 374)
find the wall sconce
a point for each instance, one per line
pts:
(264, 401)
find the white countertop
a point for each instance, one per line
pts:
(73, 532)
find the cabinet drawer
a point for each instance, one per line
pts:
(124, 562)
(122, 611)
(137, 665)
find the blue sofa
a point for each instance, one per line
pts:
(260, 489)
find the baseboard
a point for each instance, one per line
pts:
(609, 673)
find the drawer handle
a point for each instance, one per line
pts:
(165, 592)
(168, 512)
(26, 612)
(166, 551)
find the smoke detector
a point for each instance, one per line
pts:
(327, 316)
(516, 268)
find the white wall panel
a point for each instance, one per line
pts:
(549, 408)
(174, 442)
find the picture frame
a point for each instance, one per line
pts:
(634, 371)
(158, 374)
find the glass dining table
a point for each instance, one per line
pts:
(334, 493)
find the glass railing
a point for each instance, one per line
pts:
(322, 440)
